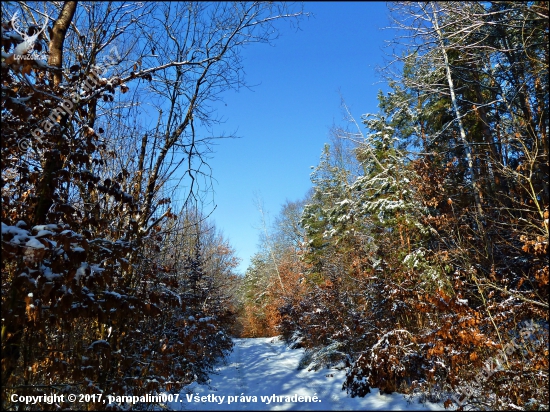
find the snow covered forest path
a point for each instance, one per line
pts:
(262, 374)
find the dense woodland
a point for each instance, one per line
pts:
(418, 260)
(421, 253)
(113, 279)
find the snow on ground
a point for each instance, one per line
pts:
(259, 370)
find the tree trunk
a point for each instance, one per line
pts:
(463, 138)
(57, 39)
(52, 162)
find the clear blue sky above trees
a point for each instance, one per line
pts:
(284, 120)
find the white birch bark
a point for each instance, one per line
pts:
(463, 138)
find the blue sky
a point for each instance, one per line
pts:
(285, 120)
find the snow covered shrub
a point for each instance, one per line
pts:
(305, 360)
(391, 364)
(513, 375)
(324, 357)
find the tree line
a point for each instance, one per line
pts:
(113, 279)
(418, 261)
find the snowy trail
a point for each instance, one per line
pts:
(265, 367)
